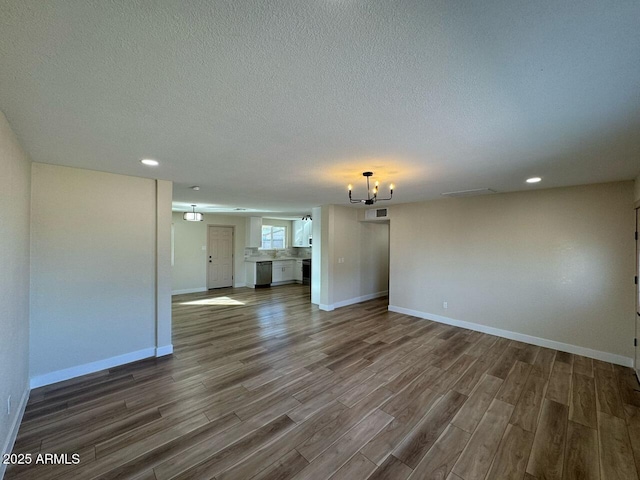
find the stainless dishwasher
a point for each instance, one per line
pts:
(263, 274)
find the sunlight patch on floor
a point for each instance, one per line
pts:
(214, 301)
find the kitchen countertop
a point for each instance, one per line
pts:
(271, 259)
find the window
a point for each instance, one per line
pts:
(274, 237)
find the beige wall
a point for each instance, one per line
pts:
(15, 188)
(556, 264)
(190, 260)
(374, 257)
(93, 270)
(164, 219)
(364, 248)
(344, 234)
(317, 260)
(637, 189)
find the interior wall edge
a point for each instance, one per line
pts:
(163, 350)
(521, 337)
(15, 427)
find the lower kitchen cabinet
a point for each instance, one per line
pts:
(297, 271)
(282, 271)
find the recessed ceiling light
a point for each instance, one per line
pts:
(149, 162)
(195, 187)
(534, 180)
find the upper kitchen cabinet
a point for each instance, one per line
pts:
(301, 233)
(254, 232)
(308, 231)
(298, 233)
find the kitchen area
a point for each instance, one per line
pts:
(278, 251)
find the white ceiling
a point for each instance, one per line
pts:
(277, 105)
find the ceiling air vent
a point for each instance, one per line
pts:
(470, 193)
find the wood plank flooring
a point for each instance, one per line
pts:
(263, 385)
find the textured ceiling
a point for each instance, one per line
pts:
(277, 105)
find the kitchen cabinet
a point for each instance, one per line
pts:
(308, 231)
(254, 232)
(297, 272)
(282, 271)
(298, 233)
(250, 268)
(301, 233)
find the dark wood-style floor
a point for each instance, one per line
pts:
(263, 385)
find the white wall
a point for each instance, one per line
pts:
(190, 260)
(15, 188)
(364, 247)
(93, 270)
(554, 264)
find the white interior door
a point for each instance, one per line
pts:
(220, 257)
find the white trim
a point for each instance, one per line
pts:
(164, 350)
(15, 426)
(201, 290)
(188, 290)
(352, 301)
(283, 282)
(521, 337)
(67, 373)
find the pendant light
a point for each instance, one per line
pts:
(193, 216)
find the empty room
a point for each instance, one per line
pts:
(324, 239)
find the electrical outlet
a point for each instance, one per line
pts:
(445, 304)
(9, 405)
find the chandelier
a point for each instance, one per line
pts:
(372, 194)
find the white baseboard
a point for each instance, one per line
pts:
(521, 337)
(188, 290)
(67, 373)
(200, 290)
(351, 301)
(15, 426)
(164, 350)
